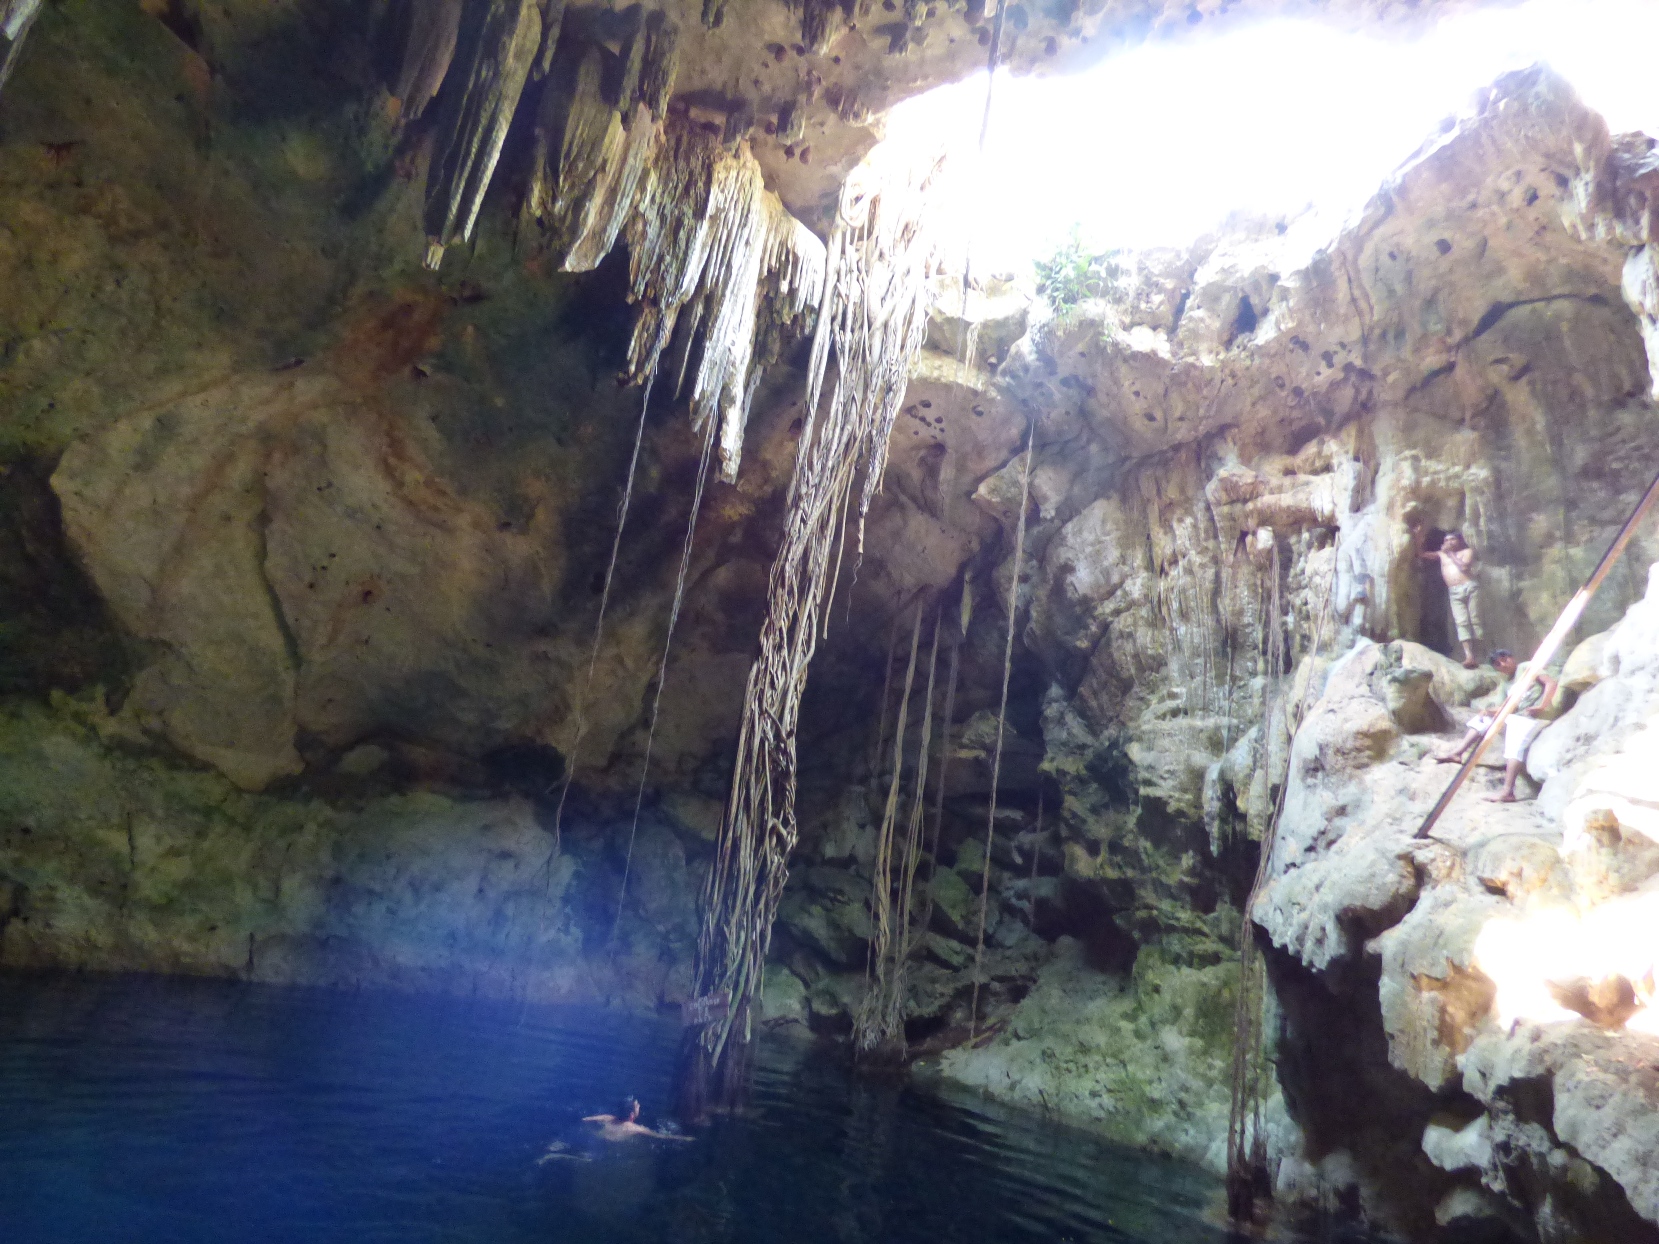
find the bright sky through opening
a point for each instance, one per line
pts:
(1156, 146)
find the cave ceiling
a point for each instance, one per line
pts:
(759, 56)
(807, 83)
(330, 497)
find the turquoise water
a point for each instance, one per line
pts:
(139, 1110)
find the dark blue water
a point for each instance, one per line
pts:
(139, 1110)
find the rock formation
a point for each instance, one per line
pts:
(301, 544)
(1207, 622)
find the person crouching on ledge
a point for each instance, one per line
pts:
(1523, 724)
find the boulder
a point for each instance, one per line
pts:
(783, 998)
(1583, 667)
(955, 905)
(838, 931)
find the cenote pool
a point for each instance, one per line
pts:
(162, 1110)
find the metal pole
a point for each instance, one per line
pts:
(1545, 653)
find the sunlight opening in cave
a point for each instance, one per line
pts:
(1602, 960)
(1293, 121)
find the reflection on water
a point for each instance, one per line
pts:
(144, 1110)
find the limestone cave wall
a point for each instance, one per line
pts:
(301, 551)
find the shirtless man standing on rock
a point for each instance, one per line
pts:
(1457, 568)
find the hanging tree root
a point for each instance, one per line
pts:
(878, 1027)
(1249, 1182)
(1002, 723)
(874, 313)
(926, 920)
(662, 669)
(581, 706)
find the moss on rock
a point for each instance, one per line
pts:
(1145, 1059)
(115, 858)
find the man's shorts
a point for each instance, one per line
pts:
(1518, 733)
(1466, 611)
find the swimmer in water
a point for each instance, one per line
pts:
(625, 1124)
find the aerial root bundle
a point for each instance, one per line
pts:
(879, 1023)
(873, 315)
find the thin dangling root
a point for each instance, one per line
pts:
(944, 753)
(886, 695)
(662, 666)
(604, 604)
(1248, 1182)
(881, 882)
(1002, 723)
(879, 1022)
(587, 684)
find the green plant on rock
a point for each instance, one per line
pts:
(1074, 274)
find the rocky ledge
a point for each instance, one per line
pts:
(1489, 989)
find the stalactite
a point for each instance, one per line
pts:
(824, 21)
(588, 165)
(874, 313)
(631, 63)
(495, 60)
(434, 26)
(1002, 723)
(704, 238)
(661, 64)
(708, 236)
(712, 253)
(552, 24)
(16, 16)
(704, 234)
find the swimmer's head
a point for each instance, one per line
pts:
(628, 1111)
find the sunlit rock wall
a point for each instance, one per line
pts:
(1509, 960)
(1226, 454)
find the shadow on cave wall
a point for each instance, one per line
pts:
(55, 632)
